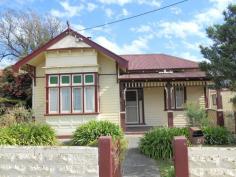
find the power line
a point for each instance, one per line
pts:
(135, 16)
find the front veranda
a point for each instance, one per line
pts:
(147, 104)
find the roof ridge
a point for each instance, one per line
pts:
(168, 55)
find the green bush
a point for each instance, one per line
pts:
(88, 134)
(157, 143)
(217, 136)
(28, 134)
(5, 138)
(196, 115)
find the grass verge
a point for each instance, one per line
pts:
(166, 168)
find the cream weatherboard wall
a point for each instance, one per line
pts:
(154, 107)
(155, 115)
(108, 89)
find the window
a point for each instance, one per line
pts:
(178, 97)
(213, 99)
(72, 93)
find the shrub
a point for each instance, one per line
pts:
(5, 138)
(157, 143)
(88, 134)
(196, 115)
(28, 134)
(9, 102)
(15, 115)
(217, 136)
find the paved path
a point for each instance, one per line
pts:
(136, 164)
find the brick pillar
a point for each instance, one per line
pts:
(219, 111)
(105, 156)
(122, 107)
(180, 155)
(170, 115)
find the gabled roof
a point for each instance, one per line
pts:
(122, 62)
(158, 62)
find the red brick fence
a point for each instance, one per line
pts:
(109, 154)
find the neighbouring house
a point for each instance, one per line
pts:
(76, 80)
(228, 108)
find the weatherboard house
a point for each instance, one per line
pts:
(76, 80)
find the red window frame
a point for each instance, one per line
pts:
(95, 84)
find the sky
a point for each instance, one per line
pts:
(177, 31)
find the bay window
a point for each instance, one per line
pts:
(71, 93)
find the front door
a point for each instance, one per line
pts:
(132, 111)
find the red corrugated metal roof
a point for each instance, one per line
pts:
(180, 75)
(157, 61)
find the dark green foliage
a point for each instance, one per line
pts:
(221, 55)
(157, 143)
(28, 134)
(88, 134)
(217, 136)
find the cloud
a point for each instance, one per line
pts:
(138, 45)
(156, 3)
(175, 10)
(119, 2)
(125, 12)
(91, 7)
(190, 56)
(142, 29)
(68, 10)
(180, 29)
(109, 13)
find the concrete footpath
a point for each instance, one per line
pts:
(136, 164)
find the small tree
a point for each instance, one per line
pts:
(196, 115)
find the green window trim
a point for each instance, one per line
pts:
(89, 79)
(53, 80)
(77, 79)
(65, 79)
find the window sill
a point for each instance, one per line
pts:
(71, 114)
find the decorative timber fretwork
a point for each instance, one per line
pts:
(134, 84)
